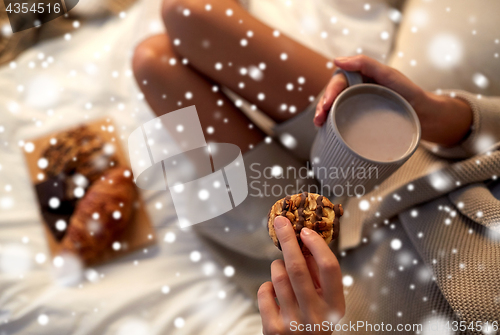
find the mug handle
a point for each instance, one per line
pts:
(353, 78)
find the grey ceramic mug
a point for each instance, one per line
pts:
(336, 164)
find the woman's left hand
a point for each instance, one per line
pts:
(308, 289)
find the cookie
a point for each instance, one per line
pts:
(309, 210)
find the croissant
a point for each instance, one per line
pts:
(101, 216)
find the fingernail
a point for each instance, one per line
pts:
(280, 222)
(324, 101)
(306, 231)
(341, 59)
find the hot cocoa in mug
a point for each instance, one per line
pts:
(370, 128)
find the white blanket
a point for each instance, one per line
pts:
(174, 287)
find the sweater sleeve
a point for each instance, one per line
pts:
(485, 131)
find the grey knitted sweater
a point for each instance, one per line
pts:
(426, 251)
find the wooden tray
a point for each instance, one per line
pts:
(139, 232)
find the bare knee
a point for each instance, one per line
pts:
(171, 8)
(149, 54)
(184, 16)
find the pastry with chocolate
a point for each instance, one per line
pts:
(55, 205)
(75, 158)
(101, 216)
(309, 210)
(79, 151)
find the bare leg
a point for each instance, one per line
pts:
(219, 38)
(168, 85)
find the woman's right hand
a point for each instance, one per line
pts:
(308, 289)
(444, 120)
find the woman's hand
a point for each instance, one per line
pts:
(444, 120)
(308, 289)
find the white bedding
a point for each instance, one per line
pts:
(84, 76)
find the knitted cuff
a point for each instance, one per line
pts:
(485, 130)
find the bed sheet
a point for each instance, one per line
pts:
(175, 287)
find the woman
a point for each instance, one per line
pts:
(408, 268)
